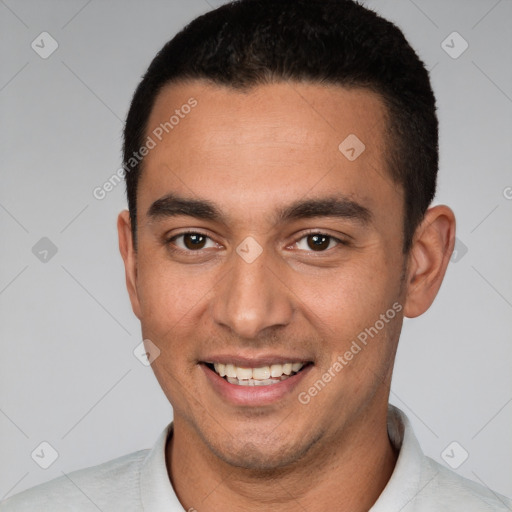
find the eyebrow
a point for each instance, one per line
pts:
(172, 205)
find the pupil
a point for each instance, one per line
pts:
(319, 242)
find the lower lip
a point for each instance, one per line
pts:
(254, 395)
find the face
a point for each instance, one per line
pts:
(268, 253)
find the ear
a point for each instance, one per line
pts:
(428, 259)
(129, 256)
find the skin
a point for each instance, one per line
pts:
(251, 153)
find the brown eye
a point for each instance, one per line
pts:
(194, 240)
(190, 242)
(318, 242)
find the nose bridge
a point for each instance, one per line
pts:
(251, 298)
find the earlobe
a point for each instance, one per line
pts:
(428, 259)
(129, 255)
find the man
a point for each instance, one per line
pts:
(280, 158)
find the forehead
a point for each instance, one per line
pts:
(266, 142)
(285, 111)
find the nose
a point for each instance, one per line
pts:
(251, 298)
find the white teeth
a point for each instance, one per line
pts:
(254, 382)
(265, 382)
(260, 376)
(276, 370)
(230, 370)
(221, 369)
(243, 373)
(262, 373)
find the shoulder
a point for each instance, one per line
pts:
(420, 484)
(113, 485)
(442, 487)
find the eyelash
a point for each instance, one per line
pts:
(188, 252)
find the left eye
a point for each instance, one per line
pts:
(318, 242)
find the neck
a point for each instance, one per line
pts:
(349, 468)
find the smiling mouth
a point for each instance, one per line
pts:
(262, 376)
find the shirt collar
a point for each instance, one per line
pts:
(156, 491)
(404, 484)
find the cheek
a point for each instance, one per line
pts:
(358, 288)
(166, 293)
(173, 302)
(347, 306)
(169, 307)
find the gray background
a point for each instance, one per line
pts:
(68, 375)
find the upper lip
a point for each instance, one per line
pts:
(254, 362)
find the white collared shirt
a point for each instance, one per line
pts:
(140, 482)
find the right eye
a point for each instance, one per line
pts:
(190, 241)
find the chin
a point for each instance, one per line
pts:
(263, 453)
